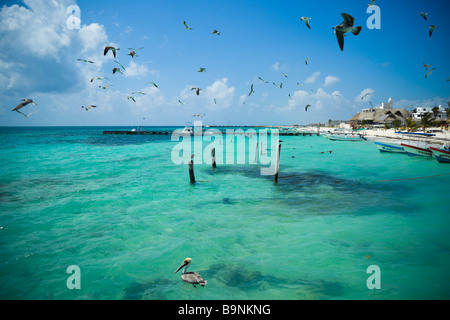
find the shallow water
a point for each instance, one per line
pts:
(121, 210)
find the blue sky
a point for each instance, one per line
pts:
(38, 59)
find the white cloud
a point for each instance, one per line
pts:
(220, 91)
(136, 70)
(92, 37)
(330, 80)
(276, 66)
(312, 78)
(365, 95)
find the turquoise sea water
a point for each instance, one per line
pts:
(127, 216)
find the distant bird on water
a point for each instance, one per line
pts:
(432, 27)
(113, 49)
(23, 104)
(424, 15)
(344, 27)
(186, 26)
(190, 277)
(306, 21)
(251, 90)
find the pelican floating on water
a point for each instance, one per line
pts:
(190, 277)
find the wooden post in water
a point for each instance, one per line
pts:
(277, 164)
(213, 157)
(191, 170)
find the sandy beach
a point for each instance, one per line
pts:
(381, 134)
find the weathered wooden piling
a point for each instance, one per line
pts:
(213, 157)
(191, 171)
(277, 164)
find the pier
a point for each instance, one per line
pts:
(148, 132)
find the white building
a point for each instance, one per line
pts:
(420, 111)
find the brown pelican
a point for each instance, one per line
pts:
(190, 277)
(23, 104)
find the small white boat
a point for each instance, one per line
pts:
(346, 137)
(389, 147)
(187, 130)
(441, 154)
(417, 148)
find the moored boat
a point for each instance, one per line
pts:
(441, 155)
(417, 148)
(346, 137)
(389, 147)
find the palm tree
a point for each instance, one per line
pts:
(396, 124)
(425, 121)
(435, 111)
(410, 125)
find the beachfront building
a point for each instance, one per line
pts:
(439, 115)
(379, 116)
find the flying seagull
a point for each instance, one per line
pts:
(99, 78)
(201, 70)
(275, 84)
(131, 97)
(89, 107)
(306, 60)
(432, 27)
(197, 90)
(289, 95)
(23, 104)
(113, 49)
(429, 72)
(263, 80)
(132, 52)
(123, 68)
(344, 27)
(251, 90)
(154, 84)
(281, 85)
(426, 66)
(190, 277)
(424, 15)
(186, 26)
(365, 95)
(285, 75)
(306, 21)
(371, 3)
(181, 102)
(199, 115)
(299, 84)
(140, 92)
(84, 60)
(105, 87)
(117, 70)
(215, 32)
(307, 106)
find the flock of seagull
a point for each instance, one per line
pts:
(340, 30)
